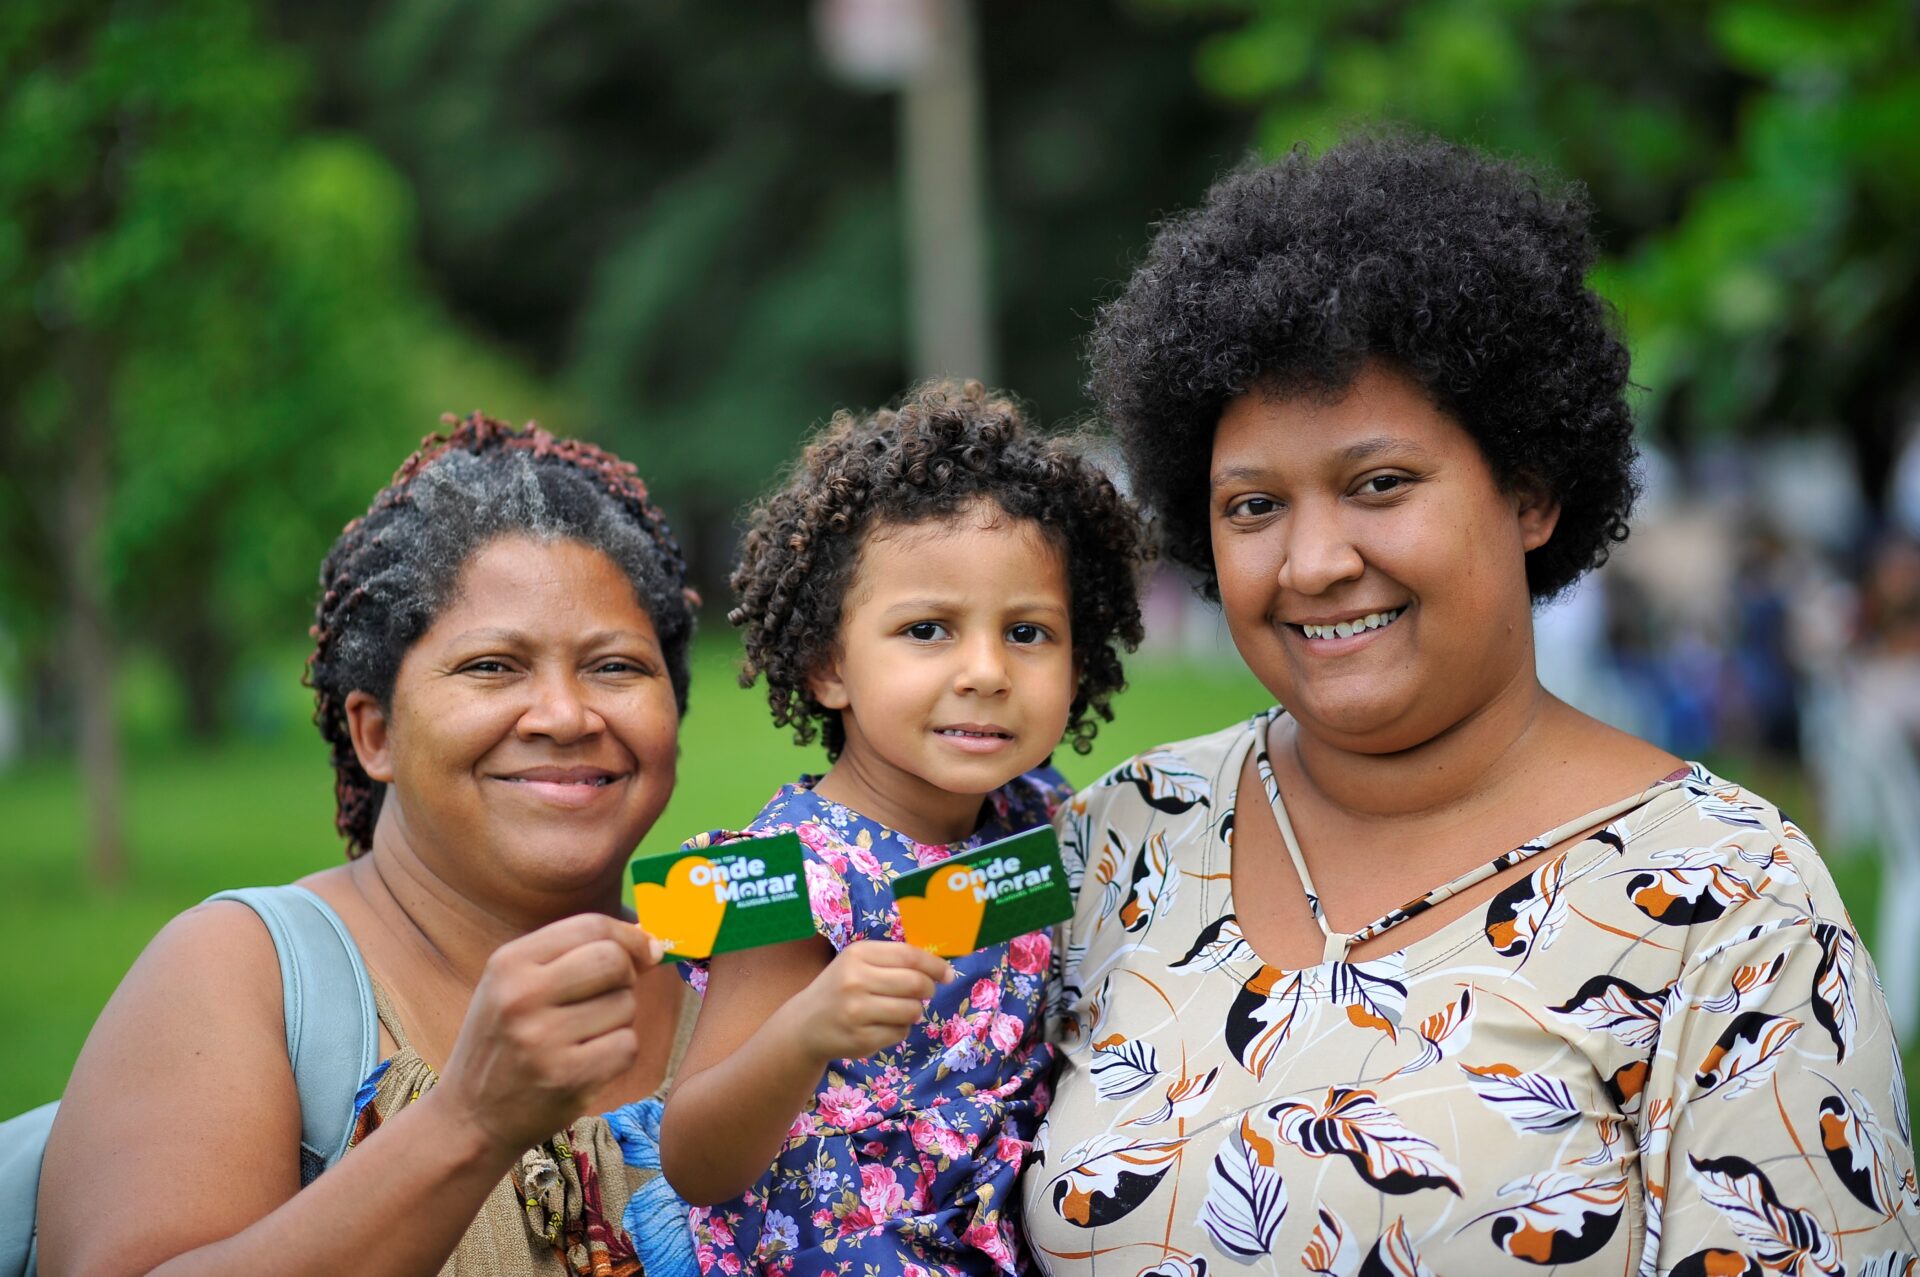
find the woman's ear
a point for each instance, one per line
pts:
(1537, 511)
(367, 726)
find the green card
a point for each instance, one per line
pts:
(985, 896)
(739, 895)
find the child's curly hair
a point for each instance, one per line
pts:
(946, 445)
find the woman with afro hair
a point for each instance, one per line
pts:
(1422, 970)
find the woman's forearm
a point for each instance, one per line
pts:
(724, 1125)
(397, 1205)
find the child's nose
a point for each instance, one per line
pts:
(983, 667)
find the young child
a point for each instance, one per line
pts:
(939, 595)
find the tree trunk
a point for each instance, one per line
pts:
(203, 656)
(941, 165)
(91, 657)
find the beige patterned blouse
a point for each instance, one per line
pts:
(1662, 1050)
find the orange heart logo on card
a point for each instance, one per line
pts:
(945, 921)
(682, 912)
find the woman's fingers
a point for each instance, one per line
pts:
(588, 971)
(557, 938)
(551, 1021)
(579, 1021)
(606, 1056)
(582, 956)
(644, 950)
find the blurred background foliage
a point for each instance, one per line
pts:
(1752, 161)
(250, 249)
(247, 252)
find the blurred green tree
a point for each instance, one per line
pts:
(679, 215)
(214, 342)
(1753, 162)
(676, 214)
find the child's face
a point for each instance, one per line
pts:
(954, 668)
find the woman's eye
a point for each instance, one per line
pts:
(620, 666)
(926, 631)
(1381, 484)
(486, 665)
(1253, 507)
(1026, 634)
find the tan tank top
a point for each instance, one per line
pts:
(558, 1211)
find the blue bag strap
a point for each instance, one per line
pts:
(333, 1030)
(23, 1142)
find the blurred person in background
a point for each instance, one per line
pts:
(1887, 673)
(500, 671)
(1424, 969)
(1765, 671)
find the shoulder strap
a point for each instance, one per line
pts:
(23, 1142)
(333, 1041)
(333, 1034)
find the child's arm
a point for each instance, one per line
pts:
(773, 1020)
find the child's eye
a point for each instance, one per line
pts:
(926, 631)
(1025, 634)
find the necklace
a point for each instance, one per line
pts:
(1339, 944)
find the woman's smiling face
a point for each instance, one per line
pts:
(531, 739)
(1372, 569)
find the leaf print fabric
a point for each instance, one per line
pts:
(1658, 1049)
(1121, 1067)
(1330, 1250)
(1246, 1198)
(1354, 1124)
(1262, 1017)
(1529, 914)
(907, 1161)
(1559, 1218)
(1107, 1180)
(1783, 1238)
(1862, 1155)
(1534, 1103)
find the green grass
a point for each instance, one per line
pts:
(260, 811)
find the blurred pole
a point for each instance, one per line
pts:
(940, 165)
(926, 50)
(88, 498)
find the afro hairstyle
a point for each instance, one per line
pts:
(1463, 271)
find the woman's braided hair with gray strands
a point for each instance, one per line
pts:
(394, 569)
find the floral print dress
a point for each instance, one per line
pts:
(907, 1160)
(1662, 1050)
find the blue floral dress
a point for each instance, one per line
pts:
(906, 1161)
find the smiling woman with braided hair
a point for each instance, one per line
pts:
(500, 667)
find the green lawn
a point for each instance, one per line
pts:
(260, 811)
